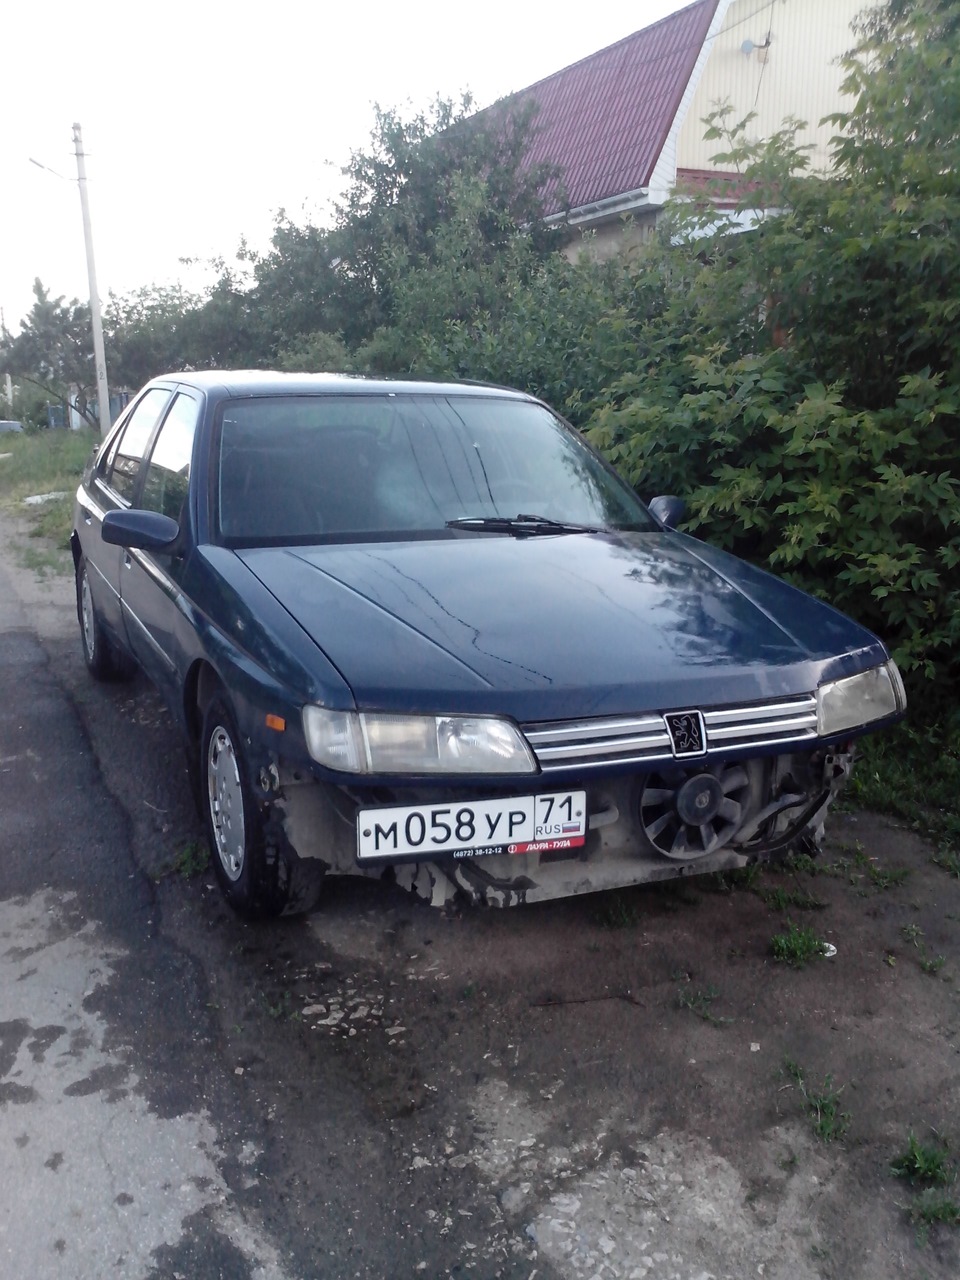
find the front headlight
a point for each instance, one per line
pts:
(856, 700)
(365, 742)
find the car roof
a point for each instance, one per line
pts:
(260, 382)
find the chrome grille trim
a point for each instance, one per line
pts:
(764, 711)
(641, 746)
(568, 731)
(644, 739)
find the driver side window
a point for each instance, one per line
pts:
(124, 467)
(167, 478)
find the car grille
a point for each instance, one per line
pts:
(625, 739)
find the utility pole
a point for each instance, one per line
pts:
(100, 360)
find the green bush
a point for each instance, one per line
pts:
(859, 506)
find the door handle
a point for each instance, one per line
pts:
(127, 562)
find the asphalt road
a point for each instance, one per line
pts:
(141, 1133)
(588, 1090)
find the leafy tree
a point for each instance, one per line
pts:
(318, 352)
(147, 333)
(54, 352)
(296, 288)
(418, 180)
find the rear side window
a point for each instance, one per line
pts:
(167, 478)
(124, 465)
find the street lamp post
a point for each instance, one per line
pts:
(99, 356)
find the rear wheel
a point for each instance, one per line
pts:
(104, 661)
(258, 877)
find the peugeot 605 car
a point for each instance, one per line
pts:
(424, 631)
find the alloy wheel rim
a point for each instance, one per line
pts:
(225, 796)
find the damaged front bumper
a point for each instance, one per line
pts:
(657, 825)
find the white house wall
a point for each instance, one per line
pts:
(664, 175)
(797, 75)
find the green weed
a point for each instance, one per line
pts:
(800, 863)
(927, 1166)
(43, 461)
(822, 1104)
(864, 872)
(700, 1002)
(929, 964)
(44, 563)
(924, 1164)
(46, 462)
(882, 879)
(797, 946)
(192, 860)
(54, 520)
(780, 899)
(739, 878)
(913, 772)
(949, 859)
(931, 1208)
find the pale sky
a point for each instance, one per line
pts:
(201, 119)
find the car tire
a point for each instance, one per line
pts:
(103, 660)
(259, 877)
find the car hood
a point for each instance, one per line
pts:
(543, 628)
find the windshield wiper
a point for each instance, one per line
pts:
(520, 525)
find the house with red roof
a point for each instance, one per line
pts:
(625, 125)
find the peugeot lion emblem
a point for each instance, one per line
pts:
(687, 734)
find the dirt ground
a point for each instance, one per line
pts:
(609, 1088)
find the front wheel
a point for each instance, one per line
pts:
(258, 878)
(104, 661)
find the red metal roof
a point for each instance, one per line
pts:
(604, 120)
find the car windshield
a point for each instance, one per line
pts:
(357, 467)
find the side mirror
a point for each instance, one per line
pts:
(669, 511)
(143, 530)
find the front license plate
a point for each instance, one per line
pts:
(519, 824)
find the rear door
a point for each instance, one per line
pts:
(111, 487)
(151, 581)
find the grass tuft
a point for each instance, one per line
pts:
(780, 899)
(192, 860)
(700, 1002)
(913, 773)
(932, 1207)
(949, 859)
(45, 462)
(927, 1167)
(821, 1103)
(929, 964)
(923, 1164)
(797, 946)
